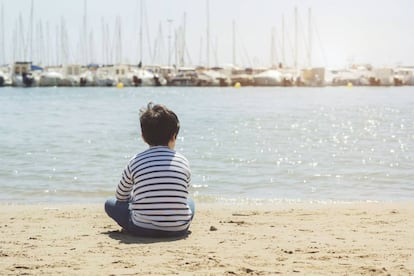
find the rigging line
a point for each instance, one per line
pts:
(303, 33)
(14, 40)
(150, 50)
(58, 55)
(158, 45)
(103, 40)
(47, 44)
(243, 48)
(3, 50)
(92, 47)
(155, 56)
(247, 54)
(112, 56)
(278, 45)
(200, 53)
(119, 40)
(30, 32)
(23, 44)
(320, 42)
(109, 45)
(161, 42)
(215, 52)
(188, 55)
(135, 32)
(64, 40)
(41, 45)
(290, 45)
(273, 42)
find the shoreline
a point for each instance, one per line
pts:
(285, 238)
(212, 200)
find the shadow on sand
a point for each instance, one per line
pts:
(127, 238)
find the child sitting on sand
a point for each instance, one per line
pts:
(152, 195)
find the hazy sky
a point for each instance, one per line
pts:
(359, 31)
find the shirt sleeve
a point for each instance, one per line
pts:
(188, 175)
(124, 188)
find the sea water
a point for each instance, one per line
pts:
(248, 144)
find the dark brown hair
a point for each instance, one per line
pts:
(158, 124)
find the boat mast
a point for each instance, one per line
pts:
(169, 41)
(38, 42)
(283, 41)
(57, 45)
(3, 51)
(23, 47)
(64, 41)
(85, 34)
(176, 45)
(103, 40)
(310, 38)
(47, 45)
(118, 40)
(272, 48)
(182, 52)
(15, 40)
(141, 20)
(200, 55)
(92, 53)
(109, 48)
(234, 42)
(216, 52)
(208, 34)
(31, 32)
(41, 45)
(296, 40)
(158, 46)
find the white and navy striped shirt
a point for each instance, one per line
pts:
(156, 182)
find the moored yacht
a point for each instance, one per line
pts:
(52, 76)
(71, 75)
(5, 79)
(404, 76)
(270, 77)
(105, 76)
(22, 75)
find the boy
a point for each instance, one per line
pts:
(152, 195)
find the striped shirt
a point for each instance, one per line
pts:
(156, 182)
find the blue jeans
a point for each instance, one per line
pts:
(119, 211)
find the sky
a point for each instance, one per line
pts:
(248, 33)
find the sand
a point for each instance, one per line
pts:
(298, 239)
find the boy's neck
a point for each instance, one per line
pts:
(171, 145)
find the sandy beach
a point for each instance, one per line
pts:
(299, 239)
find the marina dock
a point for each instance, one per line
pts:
(26, 74)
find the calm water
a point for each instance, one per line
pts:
(328, 144)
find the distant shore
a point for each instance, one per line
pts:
(354, 239)
(26, 74)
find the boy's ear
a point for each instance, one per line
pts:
(174, 137)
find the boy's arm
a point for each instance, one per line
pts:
(189, 179)
(124, 188)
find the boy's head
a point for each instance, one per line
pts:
(159, 125)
